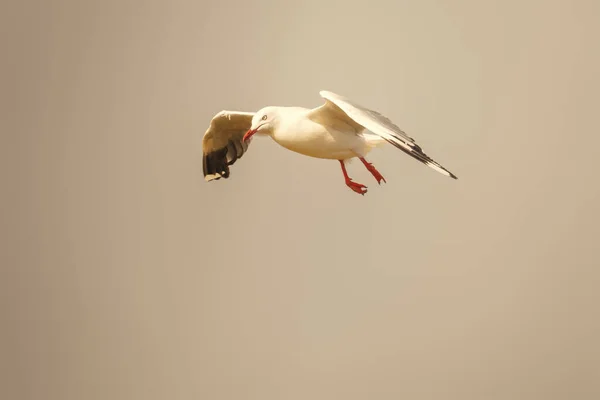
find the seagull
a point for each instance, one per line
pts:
(340, 129)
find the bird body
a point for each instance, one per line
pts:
(338, 130)
(335, 140)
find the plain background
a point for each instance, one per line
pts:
(126, 276)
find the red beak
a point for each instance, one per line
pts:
(249, 134)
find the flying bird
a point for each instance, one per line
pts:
(338, 130)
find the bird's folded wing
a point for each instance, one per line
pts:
(222, 143)
(337, 106)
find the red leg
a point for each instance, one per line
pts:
(357, 187)
(372, 170)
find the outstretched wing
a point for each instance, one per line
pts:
(222, 144)
(379, 125)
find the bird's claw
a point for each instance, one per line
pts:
(375, 173)
(356, 187)
(379, 178)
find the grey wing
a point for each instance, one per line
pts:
(222, 143)
(380, 125)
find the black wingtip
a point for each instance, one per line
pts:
(215, 163)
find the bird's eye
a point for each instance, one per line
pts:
(264, 118)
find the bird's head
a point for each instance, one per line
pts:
(263, 122)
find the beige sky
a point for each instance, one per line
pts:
(126, 276)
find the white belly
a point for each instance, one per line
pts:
(320, 142)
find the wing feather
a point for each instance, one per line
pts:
(222, 143)
(379, 125)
